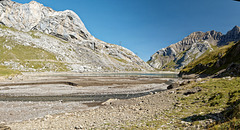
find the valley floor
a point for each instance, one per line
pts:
(195, 104)
(43, 95)
(111, 114)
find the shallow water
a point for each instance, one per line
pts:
(86, 87)
(160, 75)
(75, 98)
(163, 75)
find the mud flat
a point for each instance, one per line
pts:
(112, 114)
(33, 96)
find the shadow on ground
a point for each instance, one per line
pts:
(231, 112)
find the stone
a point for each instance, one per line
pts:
(192, 91)
(173, 85)
(185, 82)
(109, 101)
(78, 127)
(4, 127)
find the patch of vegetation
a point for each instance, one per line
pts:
(120, 60)
(21, 52)
(4, 71)
(28, 56)
(169, 66)
(42, 66)
(216, 106)
(233, 124)
(206, 64)
(9, 28)
(33, 34)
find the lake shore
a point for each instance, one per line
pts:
(113, 114)
(20, 90)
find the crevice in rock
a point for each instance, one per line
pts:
(59, 36)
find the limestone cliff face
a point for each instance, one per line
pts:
(178, 55)
(32, 25)
(34, 16)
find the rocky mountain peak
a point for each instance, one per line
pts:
(195, 34)
(234, 32)
(34, 16)
(232, 35)
(191, 47)
(194, 37)
(236, 28)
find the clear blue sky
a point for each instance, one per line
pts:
(145, 26)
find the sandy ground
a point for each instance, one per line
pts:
(63, 93)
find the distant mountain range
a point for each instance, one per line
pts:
(37, 38)
(180, 54)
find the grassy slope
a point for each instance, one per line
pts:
(207, 63)
(4, 71)
(219, 99)
(27, 56)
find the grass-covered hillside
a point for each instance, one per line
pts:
(205, 104)
(225, 59)
(15, 57)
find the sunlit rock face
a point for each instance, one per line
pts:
(180, 54)
(64, 34)
(34, 16)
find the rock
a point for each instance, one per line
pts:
(78, 127)
(173, 85)
(185, 82)
(192, 91)
(4, 127)
(109, 101)
(198, 79)
(180, 54)
(171, 92)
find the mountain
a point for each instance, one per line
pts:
(180, 54)
(37, 38)
(232, 35)
(224, 61)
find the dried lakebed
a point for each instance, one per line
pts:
(34, 96)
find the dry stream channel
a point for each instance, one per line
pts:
(35, 95)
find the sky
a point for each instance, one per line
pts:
(145, 26)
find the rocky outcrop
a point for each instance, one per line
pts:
(34, 16)
(180, 54)
(64, 35)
